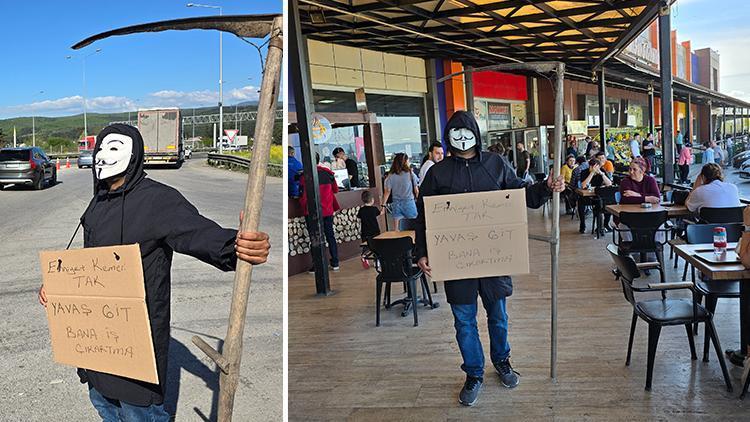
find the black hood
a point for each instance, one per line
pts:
(134, 173)
(462, 119)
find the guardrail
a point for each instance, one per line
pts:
(63, 155)
(233, 162)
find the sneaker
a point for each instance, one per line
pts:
(334, 267)
(365, 263)
(311, 270)
(508, 376)
(735, 357)
(470, 393)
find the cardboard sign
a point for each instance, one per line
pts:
(472, 235)
(96, 308)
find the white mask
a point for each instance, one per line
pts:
(462, 138)
(113, 155)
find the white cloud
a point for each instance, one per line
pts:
(113, 104)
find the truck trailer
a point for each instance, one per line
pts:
(161, 130)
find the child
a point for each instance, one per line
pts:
(368, 215)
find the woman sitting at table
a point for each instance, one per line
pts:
(592, 177)
(638, 187)
(710, 190)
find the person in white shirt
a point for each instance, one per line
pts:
(710, 190)
(709, 154)
(635, 145)
(434, 155)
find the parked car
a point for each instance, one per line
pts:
(86, 159)
(188, 153)
(740, 158)
(745, 169)
(28, 166)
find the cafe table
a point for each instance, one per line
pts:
(673, 211)
(395, 234)
(589, 193)
(722, 272)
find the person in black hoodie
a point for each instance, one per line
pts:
(128, 208)
(469, 169)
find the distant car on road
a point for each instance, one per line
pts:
(188, 153)
(86, 159)
(28, 166)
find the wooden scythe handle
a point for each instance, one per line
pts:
(229, 361)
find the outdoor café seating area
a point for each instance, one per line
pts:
(400, 371)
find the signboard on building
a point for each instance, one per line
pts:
(96, 308)
(321, 129)
(480, 234)
(518, 115)
(576, 127)
(642, 50)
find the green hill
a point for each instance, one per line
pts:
(56, 134)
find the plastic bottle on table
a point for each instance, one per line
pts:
(720, 242)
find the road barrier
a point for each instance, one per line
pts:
(233, 162)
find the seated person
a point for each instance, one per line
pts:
(607, 167)
(638, 187)
(594, 177)
(567, 172)
(567, 169)
(575, 177)
(710, 190)
(369, 227)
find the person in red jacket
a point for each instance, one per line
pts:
(328, 189)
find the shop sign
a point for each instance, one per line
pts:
(642, 49)
(321, 129)
(518, 113)
(498, 111)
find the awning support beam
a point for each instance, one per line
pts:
(665, 70)
(300, 82)
(602, 107)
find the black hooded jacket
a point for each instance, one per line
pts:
(485, 171)
(162, 222)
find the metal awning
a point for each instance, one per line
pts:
(582, 34)
(633, 75)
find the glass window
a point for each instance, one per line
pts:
(350, 138)
(14, 155)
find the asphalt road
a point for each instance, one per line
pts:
(34, 388)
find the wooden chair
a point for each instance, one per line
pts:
(660, 313)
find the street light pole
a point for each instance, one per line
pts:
(33, 125)
(83, 60)
(221, 74)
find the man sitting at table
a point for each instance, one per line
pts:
(468, 169)
(606, 166)
(710, 190)
(592, 177)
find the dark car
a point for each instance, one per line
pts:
(28, 166)
(86, 158)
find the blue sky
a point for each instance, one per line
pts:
(173, 68)
(723, 26)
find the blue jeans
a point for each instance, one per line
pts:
(330, 236)
(116, 411)
(467, 335)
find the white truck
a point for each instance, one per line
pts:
(162, 136)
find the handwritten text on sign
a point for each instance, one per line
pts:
(481, 234)
(97, 311)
